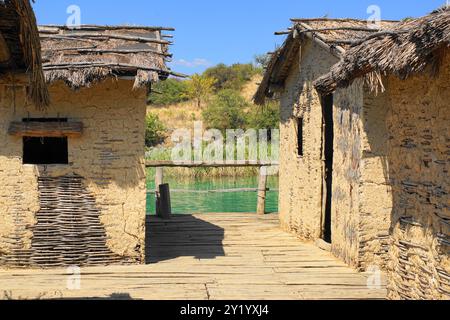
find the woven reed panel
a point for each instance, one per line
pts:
(68, 230)
(416, 268)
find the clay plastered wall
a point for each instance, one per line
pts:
(362, 197)
(419, 149)
(109, 155)
(301, 177)
(375, 196)
(347, 107)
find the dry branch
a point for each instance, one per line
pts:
(357, 42)
(103, 36)
(341, 29)
(104, 27)
(138, 53)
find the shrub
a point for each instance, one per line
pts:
(169, 92)
(226, 111)
(265, 117)
(231, 77)
(155, 131)
(199, 88)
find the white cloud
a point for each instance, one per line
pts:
(198, 62)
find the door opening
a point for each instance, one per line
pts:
(328, 149)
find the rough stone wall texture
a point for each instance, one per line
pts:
(109, 156)
(301, 177)
(419, 149)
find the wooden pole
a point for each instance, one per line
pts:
(262, 190)
(165, 206)
(159, 180)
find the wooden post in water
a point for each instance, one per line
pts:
(165, 206)
(262, 190)
(159, 180)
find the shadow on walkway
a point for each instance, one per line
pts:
(182, 236)
(113, 297)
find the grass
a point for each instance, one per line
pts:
(183, 115)
(162, 153)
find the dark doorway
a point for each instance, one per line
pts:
(328, 148)
(300, 137)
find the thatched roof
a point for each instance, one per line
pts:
(333, 35)
(20, 47)
(88, 54)
(411, 47)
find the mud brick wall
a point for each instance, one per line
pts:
(300, 198)
(108, 159)
(419, 158)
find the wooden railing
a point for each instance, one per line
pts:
(162, 192)
(237, 164)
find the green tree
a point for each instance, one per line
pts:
(168, 92)
(155, 131)
(231, 77)
(264, 117)
(226, 111)
(199, 88)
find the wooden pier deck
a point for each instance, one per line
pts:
(207, 256)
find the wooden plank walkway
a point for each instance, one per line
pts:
(207, 256)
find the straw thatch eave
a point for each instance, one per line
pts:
(20, 35)
(331, 35)
(88, 54)
(412, 47)
(276, 69)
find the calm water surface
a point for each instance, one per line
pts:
(191, 202)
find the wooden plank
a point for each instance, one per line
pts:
(46, 129)
(208, 256)
(93, 35)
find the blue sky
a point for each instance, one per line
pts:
(211, 31)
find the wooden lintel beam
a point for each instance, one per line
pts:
(46, 129)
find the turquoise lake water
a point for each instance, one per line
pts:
(191, 202)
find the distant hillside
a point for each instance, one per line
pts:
(183, 114)
(250, 87)
(221, 97)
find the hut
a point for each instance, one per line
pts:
(332, 179)
(410, 68)
(73, 173)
